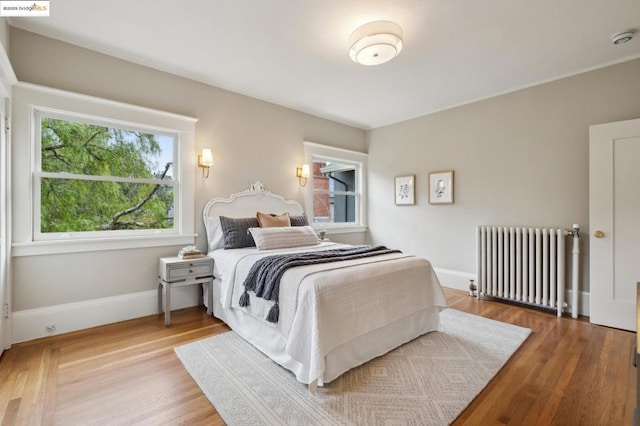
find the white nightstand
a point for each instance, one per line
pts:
(177, 272)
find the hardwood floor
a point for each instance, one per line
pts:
(568, 372)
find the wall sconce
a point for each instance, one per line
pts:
(302, 173)
(205, 160)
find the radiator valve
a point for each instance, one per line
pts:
(472, 288)
(575, 230)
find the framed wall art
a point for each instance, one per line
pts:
(441, 187)
(405, 190)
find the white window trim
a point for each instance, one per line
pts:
(29, 98)
(311, 150)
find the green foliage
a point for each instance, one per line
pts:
(72, 205)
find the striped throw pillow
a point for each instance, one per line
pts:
(276, 238)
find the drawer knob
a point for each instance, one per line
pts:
(191, 271)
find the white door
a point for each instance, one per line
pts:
(614, 221)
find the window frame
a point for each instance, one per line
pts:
(314, 151)
(29, 99)
(38, 114)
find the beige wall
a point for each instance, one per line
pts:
(519, 159)
(250, 140)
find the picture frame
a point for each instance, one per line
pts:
(405, 190)
(441, 187)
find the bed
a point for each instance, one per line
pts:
(333, 316)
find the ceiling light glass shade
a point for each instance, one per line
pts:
(375, 43)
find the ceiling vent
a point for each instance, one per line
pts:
(622, 37)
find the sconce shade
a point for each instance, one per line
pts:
(207, 157)
(375, 43)
(302, 173)
(205, 160)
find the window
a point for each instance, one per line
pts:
(335, 193)
(92, 174)
(98, 178)
(337, 197)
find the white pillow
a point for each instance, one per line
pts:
(215, 237)
(284, 237)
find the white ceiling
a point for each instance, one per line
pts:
(295, 52)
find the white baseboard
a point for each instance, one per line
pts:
(460, 281)
(583, 302)
(454, 279)
(32, 324)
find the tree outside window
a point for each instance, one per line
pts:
(95, 177)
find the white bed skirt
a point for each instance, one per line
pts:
(342, 358)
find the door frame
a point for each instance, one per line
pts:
(7, 81)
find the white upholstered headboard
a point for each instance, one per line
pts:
(244, 204)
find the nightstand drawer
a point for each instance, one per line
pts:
(195, 269)
(177, 269)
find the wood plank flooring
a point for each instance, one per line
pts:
(568, 372)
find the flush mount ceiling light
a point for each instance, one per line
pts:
(375, 43)
(622, 37)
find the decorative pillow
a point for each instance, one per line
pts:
(275, 238)
(235, 231)
(272, 221)
(215, 237)
(299, 220)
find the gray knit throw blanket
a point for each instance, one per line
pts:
(264, 276)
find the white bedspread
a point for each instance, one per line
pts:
(324, 306)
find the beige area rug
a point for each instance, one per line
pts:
(428, 381)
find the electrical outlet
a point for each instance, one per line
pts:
(51, 328)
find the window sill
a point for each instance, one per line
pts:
(37, 248)
(338, 229)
